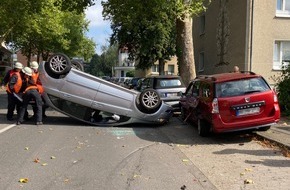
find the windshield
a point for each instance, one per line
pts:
(168, 82)
(240, 87)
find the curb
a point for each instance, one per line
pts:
(277, 136)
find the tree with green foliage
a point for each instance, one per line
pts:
(15, 13)
(43, 27)
(144, 27)
(86, 49)
(282, 87)
(130, 73)
(185, 10)
(101, 65)
(148, 28)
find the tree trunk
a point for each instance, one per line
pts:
(184, 47)
(161, 66)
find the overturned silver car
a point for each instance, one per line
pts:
(96, 101)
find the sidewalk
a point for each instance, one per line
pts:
(279, 133)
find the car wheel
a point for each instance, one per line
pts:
(182, 113)
(150, 100)
(59, 64)
(203, 127)
(77, 65)
(264, 128)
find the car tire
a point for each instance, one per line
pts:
(182, 113)
(264, 128)
(149, 101)
(203, 127)
(77, 65)
(59, 64)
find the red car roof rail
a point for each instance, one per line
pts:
(249, 72)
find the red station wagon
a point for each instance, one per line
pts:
(230, 102)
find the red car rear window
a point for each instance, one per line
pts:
(241, 87)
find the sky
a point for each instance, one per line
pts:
(99, 30)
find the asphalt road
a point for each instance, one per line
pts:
(67, 154)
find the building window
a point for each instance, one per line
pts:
(201, 61)
(281, 55)
(283, 8)
(171, 69)
(155, 68)
(201, 24)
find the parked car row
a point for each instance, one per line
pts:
(215, 103)
(127, 82)
(122, 81)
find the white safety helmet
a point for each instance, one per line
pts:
(18, 65)
(28, 71)
(34, 65)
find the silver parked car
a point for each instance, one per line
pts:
(169, 88)
(96, 101)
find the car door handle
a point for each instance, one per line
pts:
(66, 95)
(96, 105)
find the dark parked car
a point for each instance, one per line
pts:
(230, 102)
(96, 101)
(139, 84)
(133, 82)
(168, 87)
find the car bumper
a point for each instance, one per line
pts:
(220, 127)
(174, 105)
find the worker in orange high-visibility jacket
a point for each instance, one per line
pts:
(35, 75)
(13, 82)
(30, 92)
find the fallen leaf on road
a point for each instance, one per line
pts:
(66, 180)
(36, 160)
(248, 169)
(183, 187)
(26, 148)
(185, 160)
(52, 157)
(248, 181)
(23, 180)
(241, 174)
(44, 164)
(136, 175)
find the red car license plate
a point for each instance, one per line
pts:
(248, 111)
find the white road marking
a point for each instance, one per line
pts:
(7, 128)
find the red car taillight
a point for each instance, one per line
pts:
(215, 106)
(275, 98)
